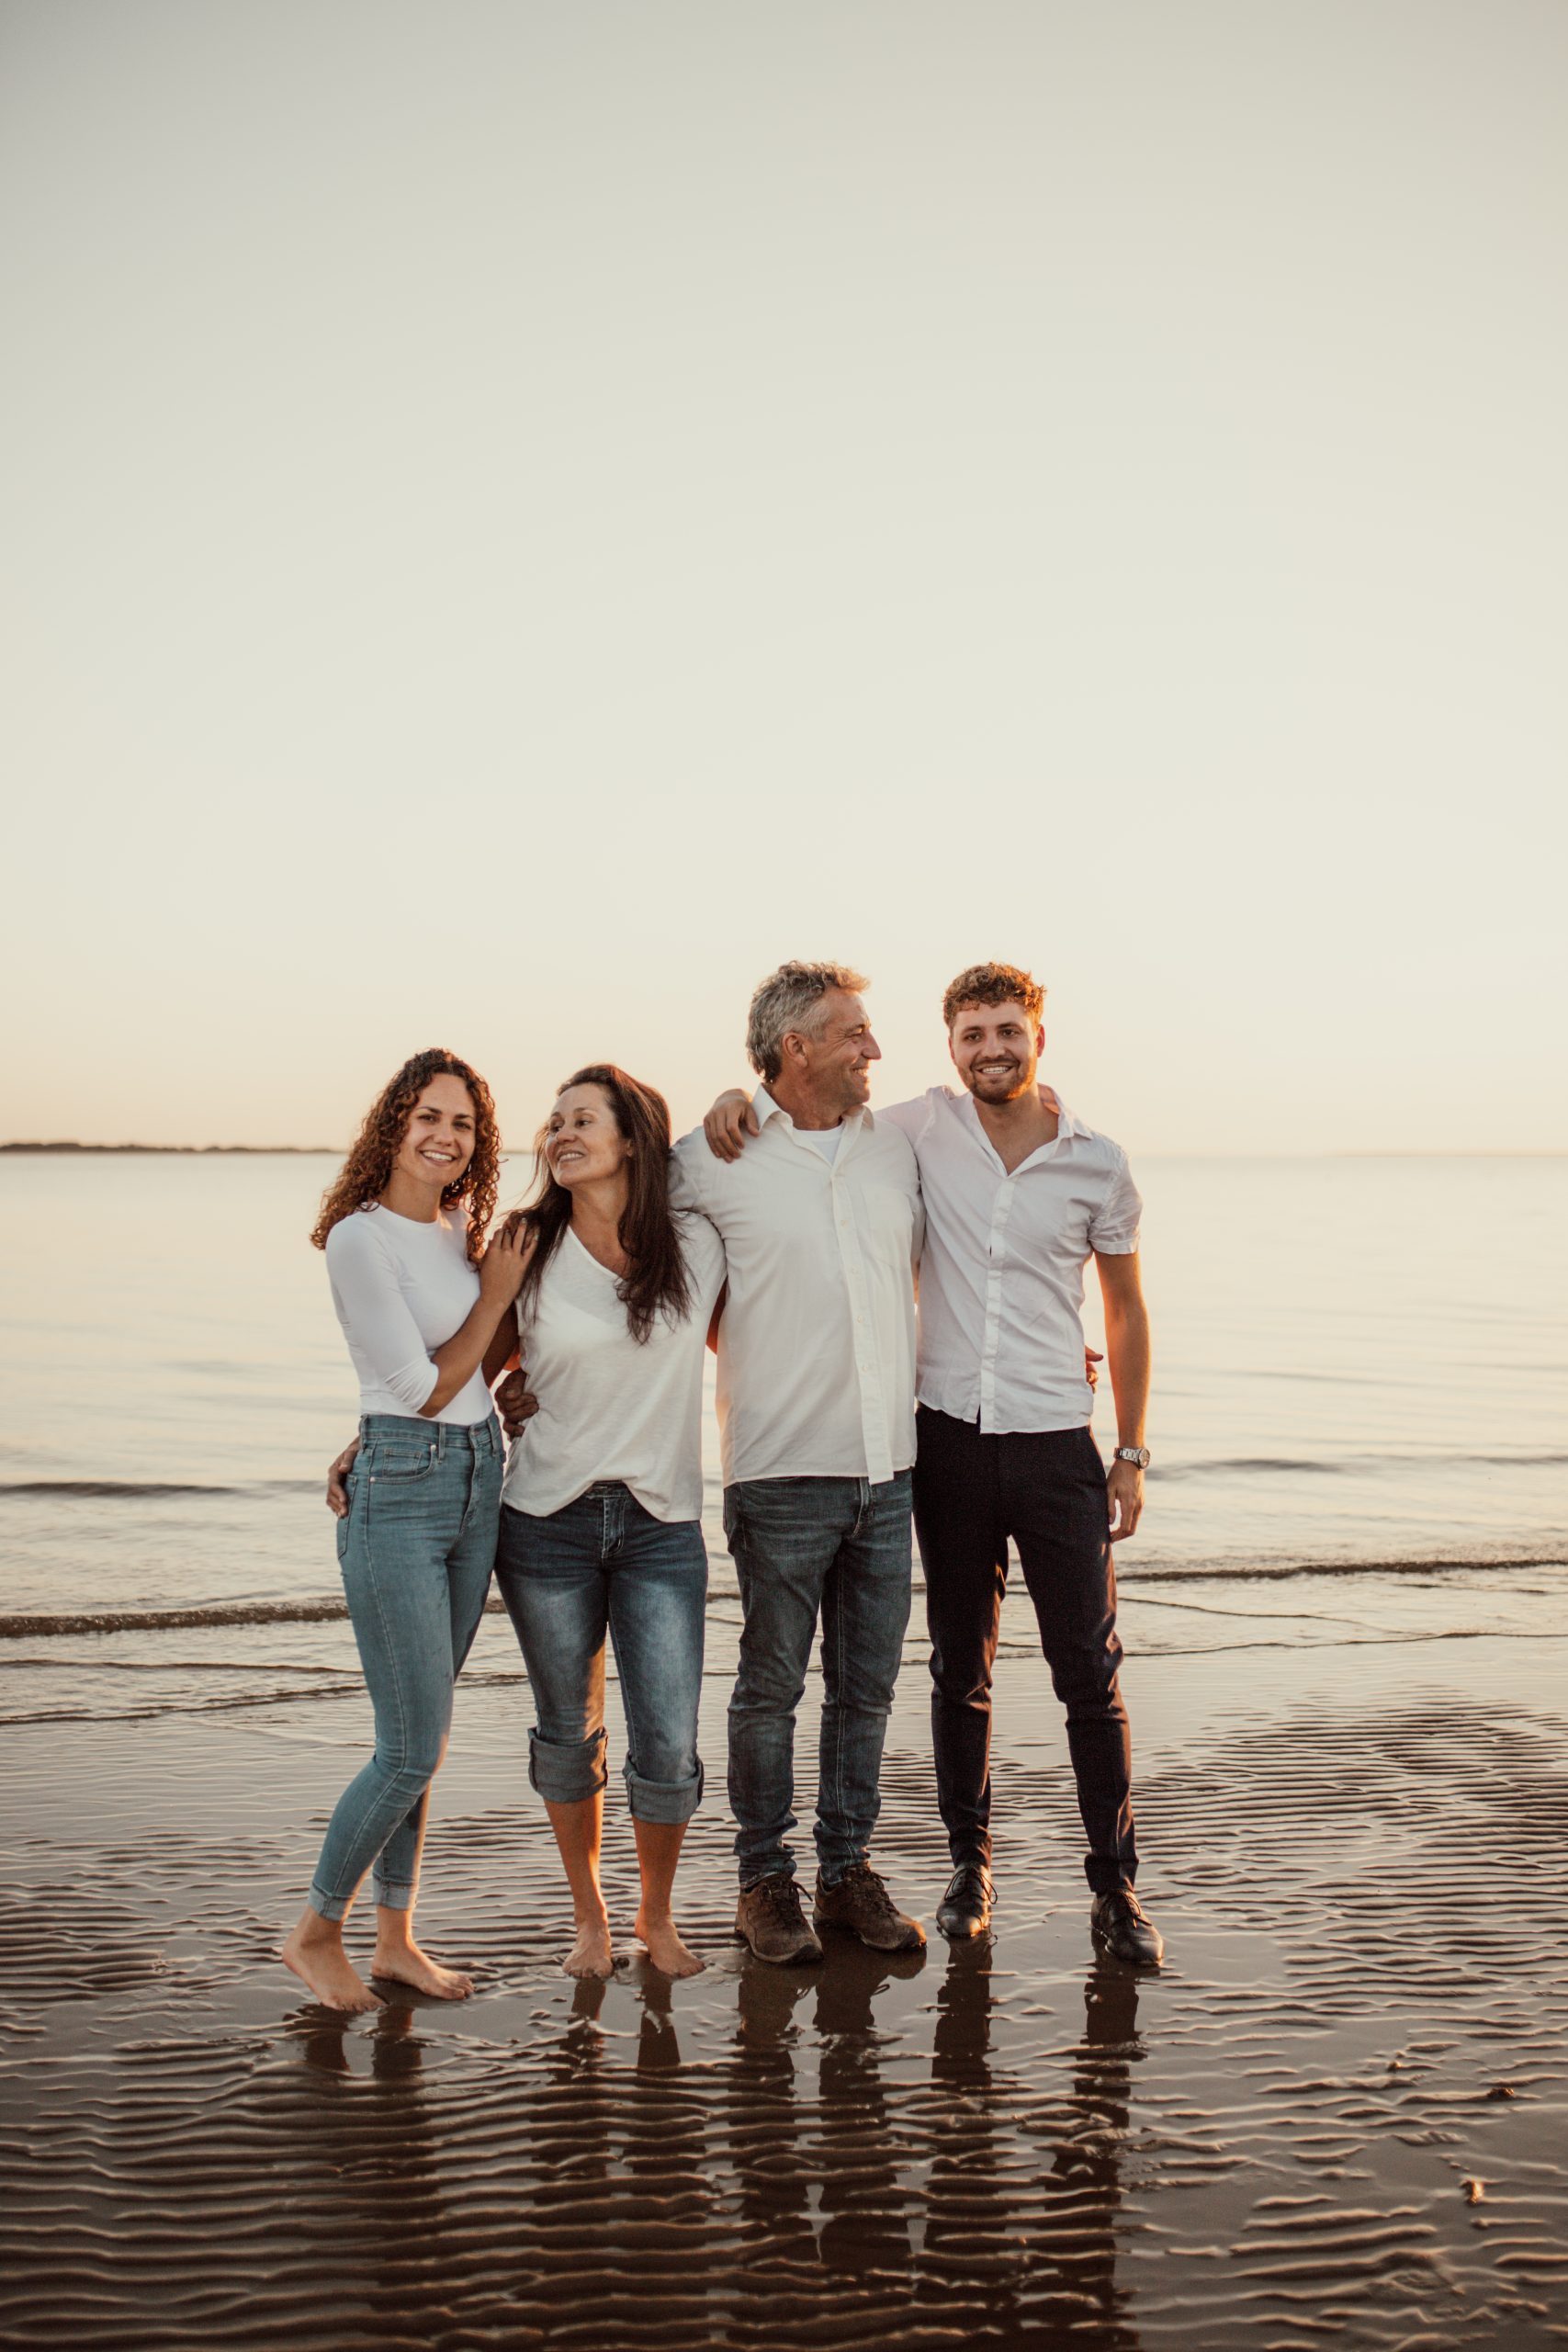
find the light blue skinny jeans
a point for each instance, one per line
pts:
(416, 1552)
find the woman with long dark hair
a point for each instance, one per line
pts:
(420, 1300)
(601, 1518)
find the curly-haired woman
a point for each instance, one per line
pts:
(601, 1523)
(420, 1300)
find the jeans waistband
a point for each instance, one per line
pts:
(481, 1438)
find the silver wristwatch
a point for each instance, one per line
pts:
(1137, 1455)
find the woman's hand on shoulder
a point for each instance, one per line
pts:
(506, 1259)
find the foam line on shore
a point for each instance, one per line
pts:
(36, 1626)
(148, 1489)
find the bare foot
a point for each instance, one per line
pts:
(323, 1966)
(664, 1947)
(405, 1964)
(591, 1954)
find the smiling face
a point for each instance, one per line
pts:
(832, 1060)
(438, 1141)
(996, 1050)
(582, 1143)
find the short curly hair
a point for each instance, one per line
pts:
(367, 1171)
(993, 984)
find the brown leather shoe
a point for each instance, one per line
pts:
(862, 1904)
(771, 1919)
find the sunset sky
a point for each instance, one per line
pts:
(517, 517)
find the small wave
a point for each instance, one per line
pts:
(1347, 1465)
(148, 1489)
(33, 1627)
(149, 1621)
(1270, 1571)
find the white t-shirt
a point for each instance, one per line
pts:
(611, 1407)
(402, 1288)
(822, 1139)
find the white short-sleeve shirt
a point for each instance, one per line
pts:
(611, 1407)
(816, 1348)
(1001, 1278)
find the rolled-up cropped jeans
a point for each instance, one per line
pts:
(416, 1553)
(803, 1548)
(602, 1566)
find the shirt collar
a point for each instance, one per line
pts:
(766, 1108)
(1067, 1123)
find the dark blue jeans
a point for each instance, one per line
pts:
(838, 1550)
(603, 1565)
(1046, 1489)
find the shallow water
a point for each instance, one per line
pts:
(1357, 1360)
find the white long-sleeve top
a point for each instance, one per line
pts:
(611, 1407)
(402, 1288)
(816, 1348)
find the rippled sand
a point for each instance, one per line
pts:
(1337, 2117)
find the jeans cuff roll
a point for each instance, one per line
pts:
(667, 1801)
(565, 1772)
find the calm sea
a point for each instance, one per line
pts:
(1358, 1362)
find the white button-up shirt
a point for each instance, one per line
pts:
(1002, 1279)
(816, 1347)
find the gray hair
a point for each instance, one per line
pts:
(792, 998)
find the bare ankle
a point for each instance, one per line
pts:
(312, 1929)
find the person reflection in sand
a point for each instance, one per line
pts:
(996, 2252)
(773, 2177)
(366, 2156)
(860, 2157)
(1086, 2166)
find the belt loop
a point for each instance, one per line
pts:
(439, 1434)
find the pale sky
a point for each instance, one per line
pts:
(517, 517)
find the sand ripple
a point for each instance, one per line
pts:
(1337, 2119)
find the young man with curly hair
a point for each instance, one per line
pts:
(1017, 1195)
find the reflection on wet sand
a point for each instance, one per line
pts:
(1061, 2273)
(1275, 2141)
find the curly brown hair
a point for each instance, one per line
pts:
(993, 984)
(367, 1171)
(655, 1281)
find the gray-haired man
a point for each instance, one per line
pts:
(821, 1226)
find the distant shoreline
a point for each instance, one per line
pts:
(200, 1150)
(337, 1151)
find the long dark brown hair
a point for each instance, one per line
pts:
(655, 1281)
(366, 1172)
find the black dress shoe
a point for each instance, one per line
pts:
(1120, 1924)
(965, 1910)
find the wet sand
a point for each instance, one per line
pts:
(1339, 2117)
